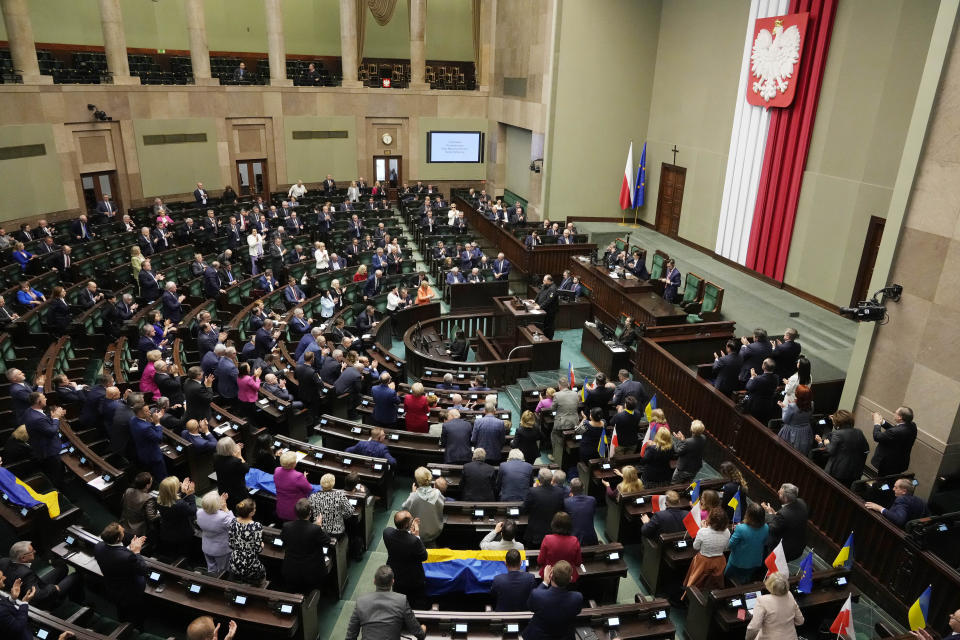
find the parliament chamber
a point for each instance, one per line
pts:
(338, 319)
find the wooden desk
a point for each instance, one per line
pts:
(608, 359)
(477, 296)
(509, 317)
(571, 314)
(462, 529)
(611, 298)
(623, 515)
(665, 561)
(600, 572)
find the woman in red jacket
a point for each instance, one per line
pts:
(560, 545)
(416, 409)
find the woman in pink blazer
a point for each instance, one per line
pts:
(291, 486)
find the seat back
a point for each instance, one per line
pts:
(658, 265)
(712, 298)
(693, 287)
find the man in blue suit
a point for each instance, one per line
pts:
(149, 282)
(171, 302)
(512, 589)
(374, 285)
(292, 293)
(44, 434)
(91, 415)
(501, 268)
(669, 520)
(515, 477)
(266, 338)
(147, 434)
(212, 286)
(385, 401)
(20, 391)
(454, 276)
(267, 282)
(629, 387)
(726, 369)
(380, 262)
(752, 354)
(581, 508)
(14, 620)
(227, 374)
(554, 608)
(350, 381)
(373, 446)
(455, 439)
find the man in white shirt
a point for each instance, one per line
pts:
(297, 190)
(507, 529)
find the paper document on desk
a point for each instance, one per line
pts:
(99, 483)
(301, 455)
(614, 276)
(618, 349)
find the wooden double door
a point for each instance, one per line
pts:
(670, 199)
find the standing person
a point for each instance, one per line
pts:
(894, 442)
(559, 545)
(733, 482)
(124, 572)
(455, 439)
(385, 401)
(291, 486)
(801, 375)
(548, 301)
(405, 556)
(246, 543)
(512, 589)
(416, 409)
(178, 516)
(747, 546)
(689, 452)
(656, 460)
(425, 504)
(626, 424)
(527, 437)
(671, 281)
(776, 614)
(582, 508)
(215, 520)
(706, 569)
(789, 524)
(796, 429)
(592, 430)
(304, 564)
(384, 614)
(726, 368)
(44, 435)
(332, 504)
(555, 609)
(514, 477)
(231, 471)
(786, 352)
(489, 433)
(566, 403)
(479, 478)
(541, 504)
(846, 448)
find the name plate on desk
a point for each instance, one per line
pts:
(394, 436)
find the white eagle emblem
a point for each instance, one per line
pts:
(773, 58)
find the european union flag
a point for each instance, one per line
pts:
(735, 505)
(806, 574)
(641, 183)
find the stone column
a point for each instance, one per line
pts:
(199, 51)
(418, 44)
(115, 42)
(16, 17)
(488, 13)
(348, 43)
(275, 44)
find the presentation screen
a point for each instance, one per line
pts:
(455, 146)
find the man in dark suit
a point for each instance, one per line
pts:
(374, 285)
(760, 400)
(726, 369)
(455, 439)
(383, 614)
(752, 354)
(479, 479)
(789, 525)
(149, 282)
(304, 564)
(266, 338)
(240, 73)
(198, 394)
(212, 287)
(540, 505)
(405, 555)
(56, 584)
(669, 520)
(20, 391)
(628, 387)
(554, 608)
(124, 572)
(581, 508)
(309, 384)
(786, 354)
(187, 233)
(80, 230)
(514, 478)
(905, 507)
(200, 194)
(234, 234)
(501, 268)
(207, 338)
(44, 433)
(329, 186)
(227, 374)
(146, 435)
(894, 442)
(91, 415)
(548, 301)
(172, 303)
(350, 381)
(331, 367)
(511, 590)
(14, 617)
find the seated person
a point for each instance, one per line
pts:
(905, 507)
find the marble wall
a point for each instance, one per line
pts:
(914, 359)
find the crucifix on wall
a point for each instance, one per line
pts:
(675, 152)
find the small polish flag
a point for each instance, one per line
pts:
(691, 521)
(659, 503)
(777, 561)
(843, 625)
(613, 443)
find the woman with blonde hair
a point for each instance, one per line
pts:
(527, 437)
(657, 419)
(17, 446)
(425, 293)
(657, 455)
(426, 502)
(147, 383)
(630, 482)
(321, 255)
(332, 504)
(215, 521)
(136, 261)
(178, 514)
(546, 400)
(361, 274)
(416, 409)
(776, 615)
(291, 485)
(353, 192)
(689, 452)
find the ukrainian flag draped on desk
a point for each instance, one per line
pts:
(20, 493)
(468, 571)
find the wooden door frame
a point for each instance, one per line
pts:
(114, 187)
(868, 259)
(266, 177)
(399, 160)
(664, 167)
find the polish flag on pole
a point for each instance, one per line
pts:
(843, 625)
(658, 503)
(626, 188)
(777, 561)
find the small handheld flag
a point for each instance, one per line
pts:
(919, 611)
(845, 557)
(694, 492)
(735, 505)
(843, 624)
(614, 443)
(806, 574)
(776, 562)
(603, 444)
(658, 503)
(573, 379)
(650, 407)
(691, 521)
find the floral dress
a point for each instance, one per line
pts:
(246, 540)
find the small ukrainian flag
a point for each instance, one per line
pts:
(919, 611)
(845, 557)
(735, 505)
(650, 407)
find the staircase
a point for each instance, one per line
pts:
(539, 379)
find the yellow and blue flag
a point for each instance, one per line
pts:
(641, 183)
(919, 611)
(21, 494)
(806, 574)
(845, 557)
(468, 571)
(604, 444)
(650, 407)
(735, 505)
